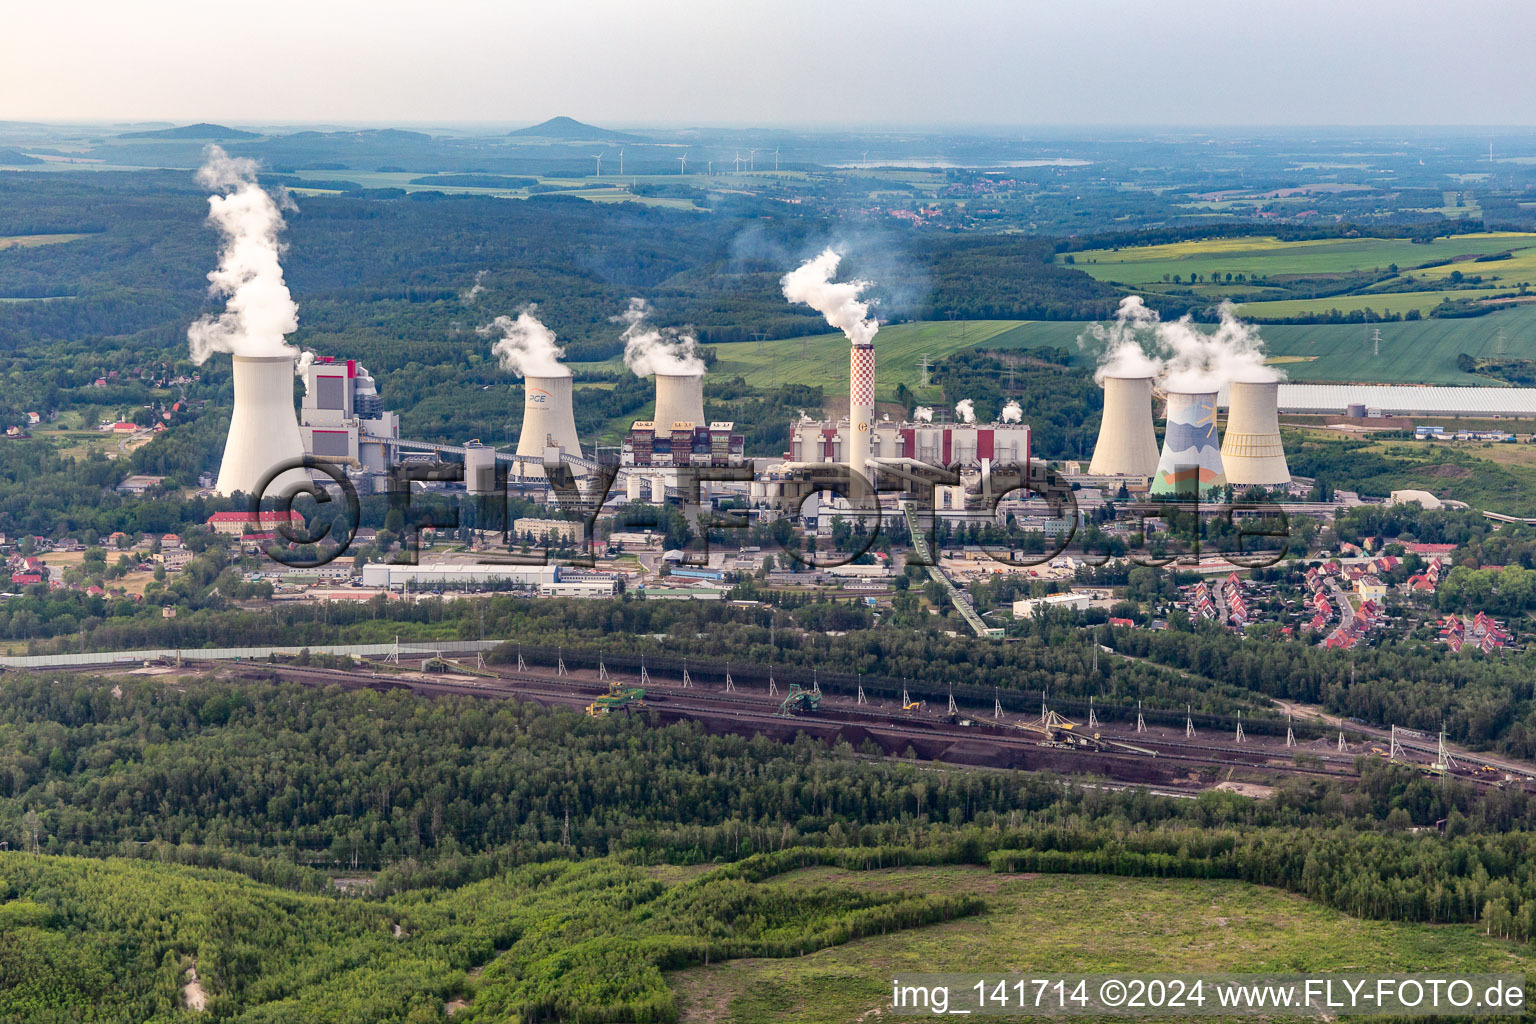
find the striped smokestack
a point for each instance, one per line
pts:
(861, 406)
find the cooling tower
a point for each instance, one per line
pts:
(1191, 461)
(1127, 444)
(263, 430)
(548, 417)
(861, 406)
(1251, 450)
(679, 399)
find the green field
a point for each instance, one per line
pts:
(1412, 351)
(1270, 257)
(823, 358)
(1380, 302)
(30, 241)
(1082, 923)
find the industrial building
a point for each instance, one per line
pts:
(685, 444)
(544, 580)
(1404, 400)
(935, 444)
(342, 418)
(1029, 607)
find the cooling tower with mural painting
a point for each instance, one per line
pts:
(1190, 464)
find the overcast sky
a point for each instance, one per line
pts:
(846, 62)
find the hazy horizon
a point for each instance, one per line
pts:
(897, 65)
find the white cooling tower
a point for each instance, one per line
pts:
(1251, 451)
(263, 430)
(1127, 443)
(679, 399)
(861, 406)
(548, 417)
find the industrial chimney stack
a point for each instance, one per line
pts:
(1127, 443)
(861, 406)
(1251, 451)
(263, 430)
(1190, 465)
(548, 417)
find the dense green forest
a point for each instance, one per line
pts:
(507, 848)
(579, 942)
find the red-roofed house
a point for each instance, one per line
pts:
(236, 523)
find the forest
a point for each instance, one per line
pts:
(511, 855)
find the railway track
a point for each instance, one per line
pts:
(983, 743)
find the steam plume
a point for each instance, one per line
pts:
(1187, 359)
(965, 409)
(811, 283)
(526, 346)
(475, 290)
(259, 312)
(649, 350)
(922, 414)
(1012, 413)
(1126, 343)
(1198, 362)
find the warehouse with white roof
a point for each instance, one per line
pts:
(1405, 400)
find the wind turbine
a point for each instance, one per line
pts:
(751, 159)
(738, 163)
(599, 165)
(866, 159)
(709, 168)
(621, 161)
(775, 157)
(682, 163)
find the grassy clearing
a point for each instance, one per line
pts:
(1270, 257)
(1075, 924)
(32, 241)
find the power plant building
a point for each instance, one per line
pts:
(934, 444)
(686, 443)
(342, 417)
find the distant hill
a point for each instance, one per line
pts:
(16, 158)
(193, 131)
(572, 130)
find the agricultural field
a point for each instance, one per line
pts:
(1386, 303)
(822, 359)
(1412, 351)
(1081, 923)
(1271, 257)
